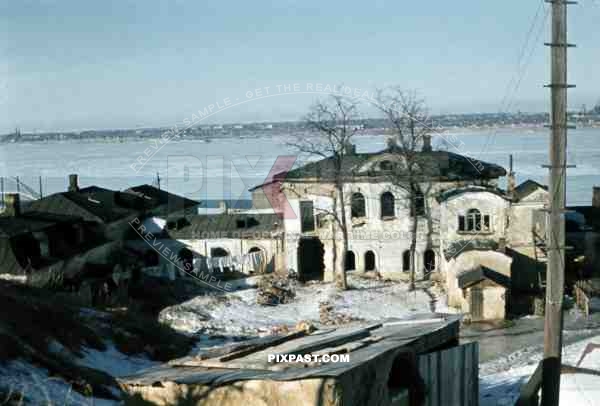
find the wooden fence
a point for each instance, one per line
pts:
(451, 376)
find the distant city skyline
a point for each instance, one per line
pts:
(71, 65)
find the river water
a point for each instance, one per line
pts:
(227, 167)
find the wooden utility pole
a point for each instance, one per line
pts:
(555, 275)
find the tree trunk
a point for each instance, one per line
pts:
(343, 282)
(413, 240)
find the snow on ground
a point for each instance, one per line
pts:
(238, 314)
(114, 362)
(501, 379)
(39, 388)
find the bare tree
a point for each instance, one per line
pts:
(333, 123)
(407, 117)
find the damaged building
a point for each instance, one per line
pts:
(466, 224)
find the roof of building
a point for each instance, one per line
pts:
(422, 334)
(438, 165)
(235, 225)
(526, 188)
(447, 194)
(166, 201)
(13, 253)
(473, 244)
(468, 278)
(92, 204)
(28, 222)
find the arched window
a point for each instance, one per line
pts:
(429, 260)
(350, 263)
(358, 205)
(473, 220)
(388, 208)
(219, 265)
(406, 261)
(369, 261)
(254, 249)
(218, 252)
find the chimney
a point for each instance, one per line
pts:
(73, 183)
(596, 197)
(427, 143)
(510, 180)
(12, 204)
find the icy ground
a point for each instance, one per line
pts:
(237, 314)
(500, 380)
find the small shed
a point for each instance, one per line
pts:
(485, 292)
(408, 362)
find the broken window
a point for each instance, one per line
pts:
(358, 205)
(486, 223)
(474, 221)
(350, 262)
(406, 261)
(429, 259)
(369, 261)
(307, 216)
(419, 203)
(388, 208)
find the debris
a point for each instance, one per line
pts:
(306, 326)
(275, 289)
(328, 316)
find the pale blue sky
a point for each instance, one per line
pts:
(76, 64)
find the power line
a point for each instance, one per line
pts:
(515, 81)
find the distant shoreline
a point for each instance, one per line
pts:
(209, 135)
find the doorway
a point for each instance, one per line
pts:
(311, 265)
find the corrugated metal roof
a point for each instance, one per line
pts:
(233, 225)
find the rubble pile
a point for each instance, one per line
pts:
(328, 316)
(275, 289)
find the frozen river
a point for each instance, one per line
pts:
(228, 167)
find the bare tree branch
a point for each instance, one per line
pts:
(332, 128)
(407, 117)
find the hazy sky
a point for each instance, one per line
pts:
(76, 64)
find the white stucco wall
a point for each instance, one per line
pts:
(486, 202)
(494, 302)
(471, 260)
(387, 238)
